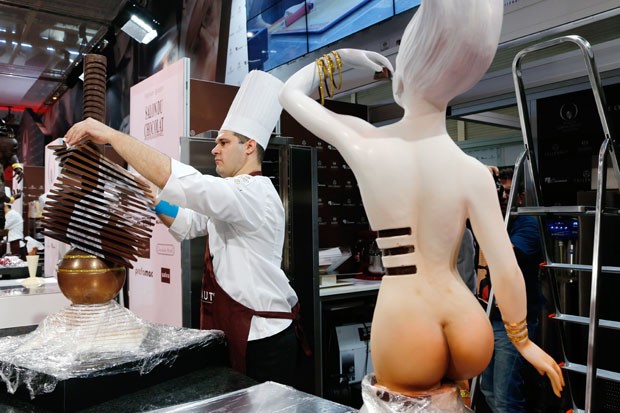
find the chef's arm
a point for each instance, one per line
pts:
(166, 212)
(147, 161)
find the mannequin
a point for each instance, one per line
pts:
(418, 190)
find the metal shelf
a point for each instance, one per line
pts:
(600, 373)
(576, 210)
(575, 319)
(582, 267)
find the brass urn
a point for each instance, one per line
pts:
(86, 279)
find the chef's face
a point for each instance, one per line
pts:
(230, 154)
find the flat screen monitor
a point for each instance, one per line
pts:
(282, 30)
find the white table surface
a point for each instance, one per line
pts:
(21, 306)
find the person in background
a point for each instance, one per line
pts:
(503, 382)
(244, 291)
(14, 223)
(8, 159)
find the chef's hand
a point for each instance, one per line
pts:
(543, 363)
(89, 130)
(365, 59)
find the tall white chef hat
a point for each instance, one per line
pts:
(255, 109)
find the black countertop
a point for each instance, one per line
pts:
(211, 388)
(198, 385)
(201, 384)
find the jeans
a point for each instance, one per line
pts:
(503, 380)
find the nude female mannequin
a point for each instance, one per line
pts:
(418, 190)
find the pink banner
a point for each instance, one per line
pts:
(159, 116)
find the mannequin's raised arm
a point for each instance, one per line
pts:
(333, 128)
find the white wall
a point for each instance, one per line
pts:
(524, 17)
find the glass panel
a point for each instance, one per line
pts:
(402, 5)
(282, 30)
(35, 44)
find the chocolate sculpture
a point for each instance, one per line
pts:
(427, 326)
(101, 210)
(97, 207)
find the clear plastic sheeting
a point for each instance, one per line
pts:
(377, 399)
(266, 397)
(88, 341)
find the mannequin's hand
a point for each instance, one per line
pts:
(16, 194)
(89, 130)
(18, 172)
(365, 58)
(543, 363)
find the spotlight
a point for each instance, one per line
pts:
(139, 24)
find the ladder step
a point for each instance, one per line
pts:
(582, 267)
(569, 318)
(562, 210)
(600, 373)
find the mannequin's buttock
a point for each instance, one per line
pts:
(425, 332)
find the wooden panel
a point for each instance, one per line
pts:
(209, 103)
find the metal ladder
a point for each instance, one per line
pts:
(609, 147)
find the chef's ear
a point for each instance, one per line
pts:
(251, 147)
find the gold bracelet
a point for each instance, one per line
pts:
(11, 200)
(518, 339)
(17, 165)
(339, 65)
(516, 332)
(330, 72)
(516, 325)
(319, 67)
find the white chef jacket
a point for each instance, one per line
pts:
(244, 218)
(14, 223)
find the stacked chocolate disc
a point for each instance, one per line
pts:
(98, 207)
(95, 77)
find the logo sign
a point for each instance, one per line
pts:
(165, 275)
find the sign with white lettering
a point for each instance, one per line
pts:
(160, 116)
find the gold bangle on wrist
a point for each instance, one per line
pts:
(331, 87)
(339, 66)
(319, 69)
(17, 165)
(518, 324)
(516, 332)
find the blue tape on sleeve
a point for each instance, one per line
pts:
(164, 208)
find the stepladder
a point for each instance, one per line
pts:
(586, 330)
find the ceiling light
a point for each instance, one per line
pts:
(139, 24)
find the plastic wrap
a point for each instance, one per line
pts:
(89, 341)
(377, 399)
(266, 397)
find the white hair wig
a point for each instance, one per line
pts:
(446, 48)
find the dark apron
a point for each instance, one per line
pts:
(220, 311)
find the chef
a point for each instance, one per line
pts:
(244, 291)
